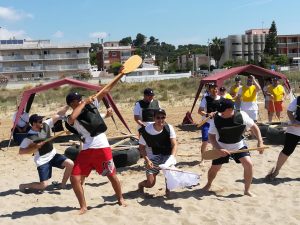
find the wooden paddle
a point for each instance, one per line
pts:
(119, 142)
(130, 65)
(215, 154)
(203, 121)
(119, 137)
(124, 147)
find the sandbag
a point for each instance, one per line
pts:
(72, 152)
(276, 136)
(124, 158)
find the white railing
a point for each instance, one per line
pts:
(132, 79)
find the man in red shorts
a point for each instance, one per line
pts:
(276, 93)
(96, 152)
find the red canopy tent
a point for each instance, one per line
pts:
(28, 97)
(258, 72)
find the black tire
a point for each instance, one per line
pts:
(124, 158)
(276, 136)
(263, 129)
(72, 152)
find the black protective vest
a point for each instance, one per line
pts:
(160, 143)
(41, 136)
(212, 105)
(231, 129)
(148, 109)
(298, 109)
(91, 120)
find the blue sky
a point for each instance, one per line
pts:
(172, 21)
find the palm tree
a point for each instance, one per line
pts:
(217, 49)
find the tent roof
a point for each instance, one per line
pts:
(28, 95)
(259, 73)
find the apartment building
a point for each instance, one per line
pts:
(39, 59)
(111, 52)
(196, 60)
(289, 45)
(248, 47)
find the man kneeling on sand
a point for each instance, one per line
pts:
(225, 134)
(45, 155)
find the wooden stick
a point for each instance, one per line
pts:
(215, 154)
(119, 143)
(124, 148)
(118, 137)
(203, 121)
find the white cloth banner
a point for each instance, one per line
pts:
(177, 178)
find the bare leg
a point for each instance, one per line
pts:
(117, 188)
(280, 162)
(248, 174)
(68, 164)
(34, 186)
(212, 173)
(79, 192)
(203, 148)
(270, 116)
(149, 183)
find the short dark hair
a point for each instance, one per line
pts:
(159, 111)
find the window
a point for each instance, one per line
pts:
(77, 51)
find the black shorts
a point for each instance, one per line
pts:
(290, 143)
(236, 157)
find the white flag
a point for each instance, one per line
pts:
(178, 178)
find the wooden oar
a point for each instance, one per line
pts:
(215, 154)
(131, 64)
(118, 137)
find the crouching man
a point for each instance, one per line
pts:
(157, 146)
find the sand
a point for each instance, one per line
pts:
(277, 202)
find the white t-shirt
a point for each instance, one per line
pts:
(248, 105)
(24, 118)
(293, 108)
(99, 141)
(213, 130)
(39, 159)
(138, 111)
(150, 130)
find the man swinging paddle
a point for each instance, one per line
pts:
(225, 134)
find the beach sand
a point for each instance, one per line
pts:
(275, 203)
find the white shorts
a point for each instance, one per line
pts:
(252, 114)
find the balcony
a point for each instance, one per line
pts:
(44, 57)
(33, 68)
(66, 67)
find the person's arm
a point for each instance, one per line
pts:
(213, 140)
(257, 134)
(59, 114)
(139, 121)
(32, 148)
(109, 113)
(76, 112)
(174, 146)
(256, 84)
(142, 149)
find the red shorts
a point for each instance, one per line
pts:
(99, 159)
(277, 105)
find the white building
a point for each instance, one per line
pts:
(145, 70)
(34, 60)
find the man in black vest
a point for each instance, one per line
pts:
(226, 134)
(96, 152)
(157, 146)
(144, 109)
(45, 155)
(292, 137)
(208, 107)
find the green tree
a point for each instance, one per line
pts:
(125, 41)
(93, 58)
(282, 60)
(115, 67)
(271, 41)
(217, 49)
(140, 40)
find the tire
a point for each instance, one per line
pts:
(276, 136)
(124, 158)
(263, 129)
(72, 152)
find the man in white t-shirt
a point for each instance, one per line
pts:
(45, 155)
(144, 109)
(157, 146)
(96, 152)
(292, 137)
(226, 134)
(23, 122)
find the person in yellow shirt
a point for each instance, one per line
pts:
(234, 92)
(276, 93)
(224, 94)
